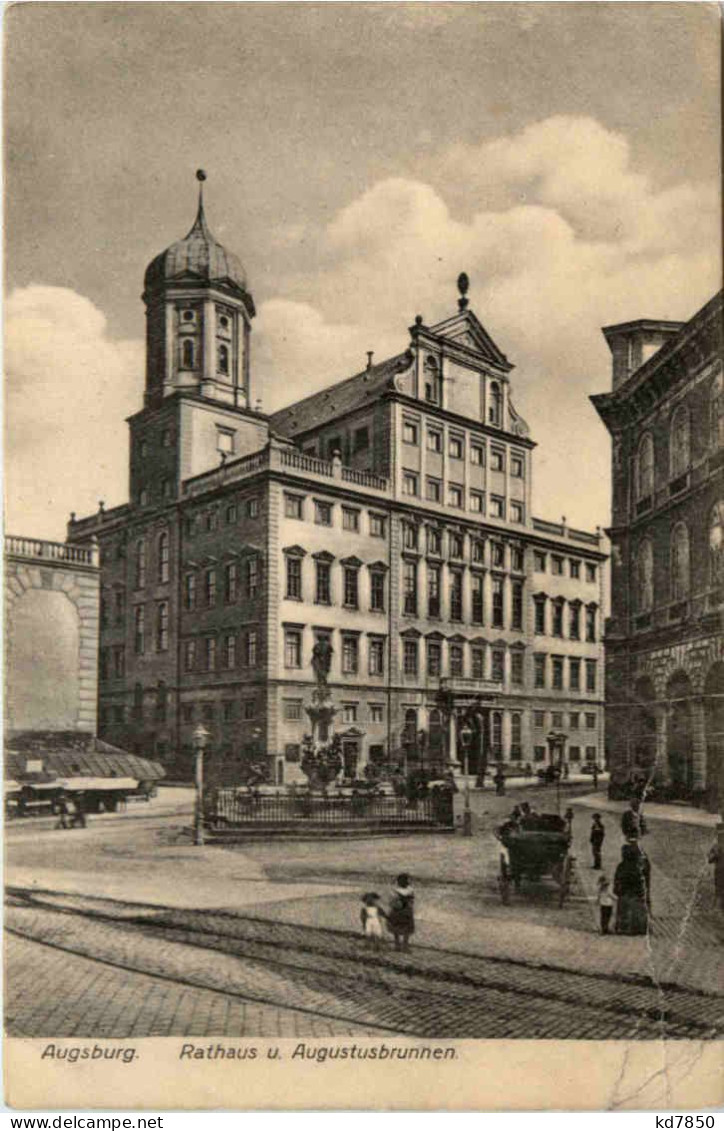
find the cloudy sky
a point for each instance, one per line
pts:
(359, 156)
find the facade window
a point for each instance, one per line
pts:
(120, 607)
(231, 575)
(590, 572)
(376, 655)
(516, 612)
(590, 753)
(409, 536)
(477, 502)
(539, 753)
(497, 459)
(591, 624)
(351, 594)
(558, 617)
(497, 733)
(210, 653)
(590, 721)
(377, 591)
(478, 551)
(455, 495)
(140, 563)
(410, 662)
(716, 544)
(539, 719)
(251, 649)
(434, 440)
(231, 513)
(590, 675)
(350, 519)
(293, 710)
(323, 587)
(334, 447)
(292, 648)
(516, 667)
(293, 506)
(516, 728)
(361, 439)
(478, 607)
(557, 719)
(434, 658)
(433, 390)
(162, 626)
(556, 565)
(187, 712)
(679, 441)
(575, 567)
(190, 655)
(252, 508)
(211, 520)
(294, 578)
(409, 432)
(497, 665)
(410, 483)
(434, 541)
(349, 712)
(574, 754)
(456, 447)
(679, 562)
(457, 664)
(187, 354)
(456, 595)
(377, 713)
(350, 654)
(574, 621)
(574, 674)
(225, 438)
(190, 525)
(557, 669)
(143, 497)
(498, 611)
(497, 506)
(322, 513)
(207, 712)
(478, 657)
(644, 468)
(166, 488)
(495, 408)
(433, 490)
(103, 665)
(378, 525)
(517, 467)
(433, 590)
(516, 512)
(477, 455)
(456, 544)
(230, 650)
(540, 615)
(539, 561)
(140, 630)
(644, 577)
(252, 577)
(210, 587)
(409, 587)
(497, 555)
(574, 720)
(228, 711)
(223, 359)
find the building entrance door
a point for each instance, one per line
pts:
(350, 757)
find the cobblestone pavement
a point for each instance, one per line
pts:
(331, 974)
(84, 998)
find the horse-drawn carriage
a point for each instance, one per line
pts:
(532, 848)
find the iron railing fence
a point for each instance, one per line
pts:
(236, 807)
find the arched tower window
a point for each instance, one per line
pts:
(433, 387)
(679, 562)
(679, 442)
(163, 557)
(495, 408)
(645, 577)
(644, 477)
(140, 563)
(223, 359)
(187, 353)
(716, 544)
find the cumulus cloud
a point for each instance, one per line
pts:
(69, 389)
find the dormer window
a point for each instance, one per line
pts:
(495, 408)
(433, 389)
(187, 354)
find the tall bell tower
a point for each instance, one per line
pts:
(198, 319)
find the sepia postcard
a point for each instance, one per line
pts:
(364, 557)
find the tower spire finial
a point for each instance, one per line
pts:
(200, 177)
(463, 285)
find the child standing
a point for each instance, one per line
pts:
(605, 903)
(371, 915)
(401, 916)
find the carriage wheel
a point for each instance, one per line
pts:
(565, 881)
(504, 882)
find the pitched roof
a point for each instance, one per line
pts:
(69, 753)
(343, 397)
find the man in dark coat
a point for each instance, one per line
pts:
(597, 835)
(632, 888)
(633, 825)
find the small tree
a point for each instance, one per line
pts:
(321, 765)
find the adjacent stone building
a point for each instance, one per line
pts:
(664, 641)
(389, 514)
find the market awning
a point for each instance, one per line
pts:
(104, 784)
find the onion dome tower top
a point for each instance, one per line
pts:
(198, 258)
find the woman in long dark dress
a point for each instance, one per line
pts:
(632, 888)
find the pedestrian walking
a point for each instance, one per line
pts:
(568, 818)
(499, 780)
(61, 808)
(401, 915)
(78, 818)
(371, 916)
(633, 825)
(595, 775)
(598, 833)
(605, 903)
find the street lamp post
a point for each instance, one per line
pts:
(465, 736)
(201, 737)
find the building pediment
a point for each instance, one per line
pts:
(378, 566)
(295, 551)
(466, 330)
(353, 562)
(411, 634)
(323, 556)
